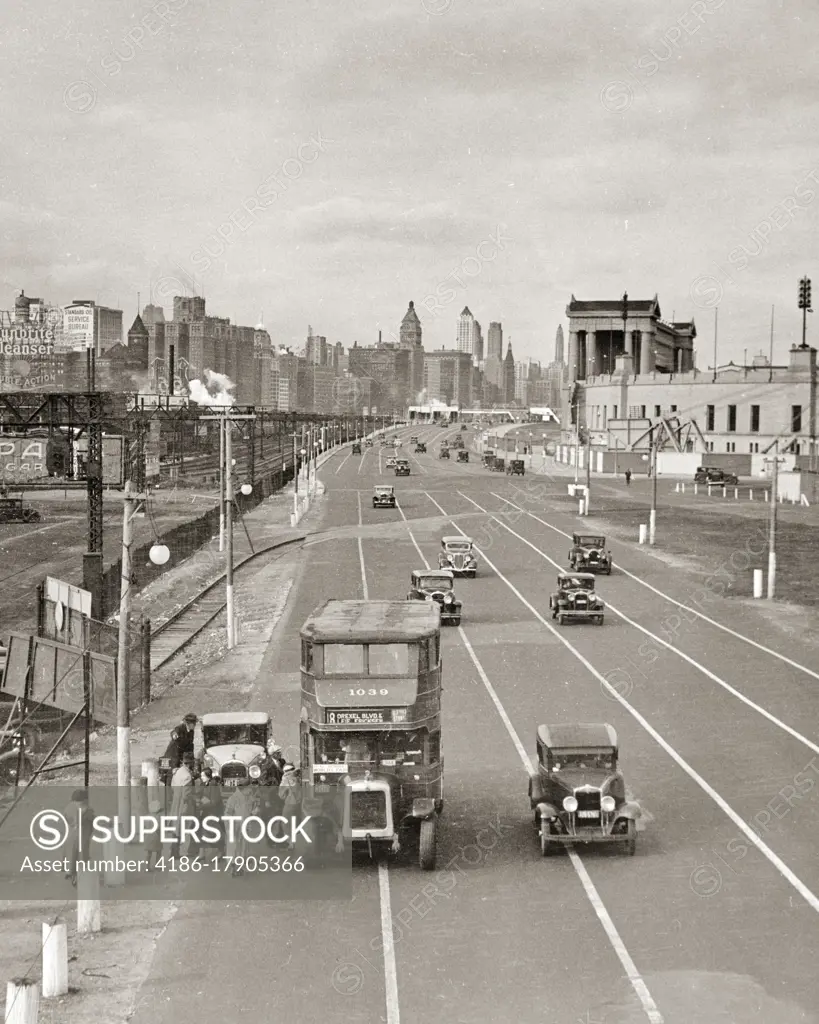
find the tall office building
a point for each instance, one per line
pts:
(494, 346)
(477, 344)
(466, 332)
(410, 333)
(559, 345)
(509, 376)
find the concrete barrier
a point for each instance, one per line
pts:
(643, 533)
(757, 583)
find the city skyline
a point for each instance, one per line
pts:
(341, 207)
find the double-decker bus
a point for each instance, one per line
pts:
(371, 717)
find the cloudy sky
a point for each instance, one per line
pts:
(326, 163)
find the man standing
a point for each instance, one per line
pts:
(184, 802)
(182, 738)
(628, 477)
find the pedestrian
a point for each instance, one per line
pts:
(184, 734)
(183, 803)
(628, 478)
(209, 804)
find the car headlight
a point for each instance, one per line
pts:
(607, 803)
(208, 761)
(448, 598)
(254, 771)
(570, 804)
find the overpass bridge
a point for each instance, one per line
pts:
(450, 413)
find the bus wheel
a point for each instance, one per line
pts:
(426, 845)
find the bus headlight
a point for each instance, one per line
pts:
(570, 804)
(607, 803)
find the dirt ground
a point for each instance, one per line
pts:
(107, 969)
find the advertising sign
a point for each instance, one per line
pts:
(22, 459)
(78, 327)
(113, 456)
(27, 353)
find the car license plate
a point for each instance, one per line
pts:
(321, 788)
(230, 783)
(588, 814)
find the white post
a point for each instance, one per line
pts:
(229, 609)
(652, 526)
(725, 492)
(55, 960)
(757, 583)
(22, 1001)
(766, 495)
(696, 488)
(123, 655)
(736, 494)
(221, 485)
(771, 575)
(580, 507)
(750, 494)
(709, 490)
(88, 902)
(682, 487)
(676, 488)
(643, 533)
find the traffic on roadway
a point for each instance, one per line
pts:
(691, 895)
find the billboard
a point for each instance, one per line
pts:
(78, 327)
(22, 459)
(113, 458)
(27, 354)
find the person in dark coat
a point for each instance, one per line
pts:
(184, 734)
(210, 803)
(628, 477)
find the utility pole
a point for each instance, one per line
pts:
(131, 504)
(588, 472)
(295, 477)
(652, 517)
(221, 421)
(772, 522)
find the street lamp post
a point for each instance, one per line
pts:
(652, 516)
(774, 497)
(221, 484)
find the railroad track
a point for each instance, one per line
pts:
(174, 635)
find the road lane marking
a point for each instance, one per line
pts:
(619, 947)
(727, 629)
(361, 553)
(810, 898)
(388, 945)
(675, 650)
(363, 457)
(349, 453)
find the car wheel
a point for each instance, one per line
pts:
(599, 620)
(426, 845)
(631, 844)
(473, 574)
(547, 849)
(561, 618)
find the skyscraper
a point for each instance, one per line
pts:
(509, 376)
(465, 340)
(494, 344)
(410, 333)
(559, 344)
(477, 343)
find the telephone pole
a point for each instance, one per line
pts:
(588, 472)
(130, 505)
(772, 522)
(652, 516)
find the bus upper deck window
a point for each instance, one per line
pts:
(343, 659)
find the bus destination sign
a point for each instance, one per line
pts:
(359, 716)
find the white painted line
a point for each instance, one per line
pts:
(364, 586)
(664, 643)
(810, 898)
(666, 597)
(388, 945)
(363, 457)
(343, 461)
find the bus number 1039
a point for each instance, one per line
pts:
(368, 693)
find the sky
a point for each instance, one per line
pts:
(309, 163)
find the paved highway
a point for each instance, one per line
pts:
(716, 919)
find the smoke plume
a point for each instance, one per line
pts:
(215, 390)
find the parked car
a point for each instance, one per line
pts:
(497, 465)
(443, 453)
(437, 585)
(236, 747)
(391, 461)
(578, 793)
(13, 510)
(575, 598)
(463, 456)
(712, 475)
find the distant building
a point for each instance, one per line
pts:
(411, 333)
(559, 344)
(89, 326)
(465, 338)
(494, 342)
(508, 386)
(448, 377)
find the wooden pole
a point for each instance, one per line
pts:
(88, 902)
(229, 607)
(22, 1001)
(55, 960)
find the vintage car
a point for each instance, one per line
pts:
(589, 554)
(712, 475)
(497, 465)
(456, 554)
(463, 428)
(12, 510)
(414, 439)
(384, 497)
(443, 453)
(463, 456)
(402, 467)
(237, 745)
(516, 467)
(578, 793)
(420, 448)
(575, 598)
(437, 585)
(356, 448)
(368, 443)
(457, 441)
(488, 458)
(391, 461)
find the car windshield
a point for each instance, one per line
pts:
(383, 490)
(435, 582)
(458, 547)
(582, 761)
(576, 583)
(229, 735)
(590, 542)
